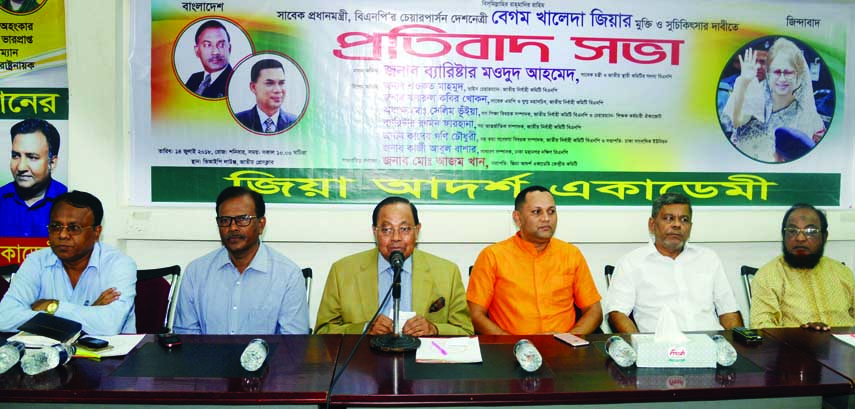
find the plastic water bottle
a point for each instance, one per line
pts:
(47, 358)
(621, 352)
(725, 354)
(10, 354)
(527, 355)
(254, 355)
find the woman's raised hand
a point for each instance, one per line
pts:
(748, 64)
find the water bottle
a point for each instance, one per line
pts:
(621, 352)
(527, 355)
(10, 354)
(725, 354)
(254, 355)
(47, 358)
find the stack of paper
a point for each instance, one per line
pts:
(459, 350)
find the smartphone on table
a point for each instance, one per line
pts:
(169, 340)
(93, 343)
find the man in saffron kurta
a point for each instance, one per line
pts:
(531, 282)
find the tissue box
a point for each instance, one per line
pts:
(698, 352)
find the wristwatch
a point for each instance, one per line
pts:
(52, 307)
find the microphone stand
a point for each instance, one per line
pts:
(396, 342)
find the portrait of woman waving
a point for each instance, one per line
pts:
(774, 119)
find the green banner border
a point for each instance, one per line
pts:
(358, 186)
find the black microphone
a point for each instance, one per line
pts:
(390, 342)
(396, 259)
(396, 342)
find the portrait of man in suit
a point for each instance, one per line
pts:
(213, 48)
(267, 83)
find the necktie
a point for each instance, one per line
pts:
(269, 127)
(204, 85)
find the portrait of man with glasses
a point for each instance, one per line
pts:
(213, 48)
(244, 287)
(431, 287)
(802, 287)
(78, 277)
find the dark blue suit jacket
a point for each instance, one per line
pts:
(250, 119)
(215, 90)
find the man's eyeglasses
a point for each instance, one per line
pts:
(388, 231)
(784, 73)
(242, 220)
(793, 232)
(72, 229)
(222, 45)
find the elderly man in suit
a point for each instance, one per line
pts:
(267, 82)
(431, 287)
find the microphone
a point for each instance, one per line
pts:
(409, 344)
(396, 259)
(396, 342)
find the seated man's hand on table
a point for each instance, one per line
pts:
(816, 326)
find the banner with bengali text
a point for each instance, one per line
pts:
(33, 84)
(607, 103)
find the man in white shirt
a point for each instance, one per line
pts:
(669, 272)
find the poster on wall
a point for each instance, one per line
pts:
(607, 103)
(33, 122)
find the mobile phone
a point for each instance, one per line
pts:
(169, 340)
(93, 343)
(571, 339)
(746, 336)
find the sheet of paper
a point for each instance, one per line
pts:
(457, 350)
(121, 344)
(847, 338)
(403, 316)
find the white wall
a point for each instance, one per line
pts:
(98, 37)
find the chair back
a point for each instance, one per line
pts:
(7, 271)
(4, 286)
(307, 276)
(609, 271)
(747, 275)
(6, 277)
(152, 304)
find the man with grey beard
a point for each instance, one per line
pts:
(802, 287)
